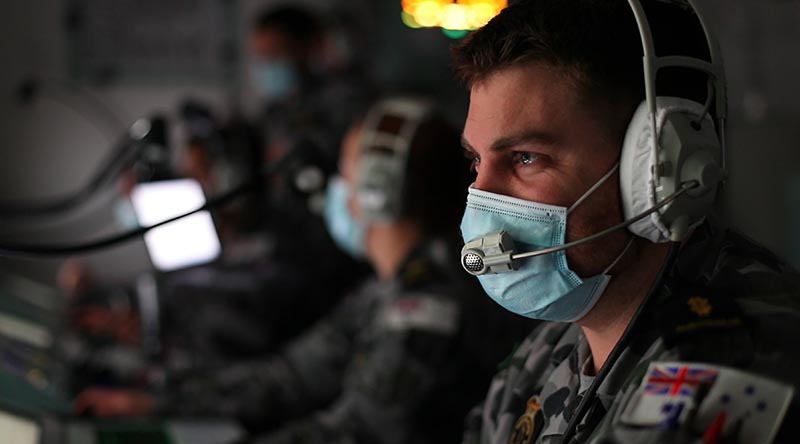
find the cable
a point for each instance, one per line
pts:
(22, 250)
(686, 186)
(583, 406)
(126, 152)
(37, 87)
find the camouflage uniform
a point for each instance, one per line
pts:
(751, 302)
(395, 362)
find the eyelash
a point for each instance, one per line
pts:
(473, 159)
(518, 158)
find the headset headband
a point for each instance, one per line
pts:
(389, 130)
(713, 69)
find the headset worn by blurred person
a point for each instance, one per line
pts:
(400, 359)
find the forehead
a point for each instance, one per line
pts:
(536, 96)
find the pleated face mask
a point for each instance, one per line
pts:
(544, 287)
(346, 231)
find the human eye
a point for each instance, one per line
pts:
(524, 158)
(473, 158)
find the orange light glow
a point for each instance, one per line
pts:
(454, 15)
(480, 14)
(428, 13)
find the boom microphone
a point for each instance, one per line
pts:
(495, 253)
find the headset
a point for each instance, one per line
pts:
(389, 130)
(672, 162)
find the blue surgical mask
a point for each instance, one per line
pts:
(275, 80)
(346, 231)
(543, 287)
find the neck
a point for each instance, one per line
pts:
(388, 246)
(607, 321)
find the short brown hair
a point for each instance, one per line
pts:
(595, 42)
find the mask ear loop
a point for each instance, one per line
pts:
(594, 187)
(589, 193)
(615, 261)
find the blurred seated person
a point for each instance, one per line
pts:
(98, 311)
(220, 154)
(308, 90)
(306, 101)
(102, 338)
(258, 294)
(306, 105)
(402, 358)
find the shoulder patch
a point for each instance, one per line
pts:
(426, 313)
(739, 406)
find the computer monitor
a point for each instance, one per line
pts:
(184, 243)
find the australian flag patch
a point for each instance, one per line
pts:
(739, 406)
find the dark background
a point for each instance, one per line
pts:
(102, 64)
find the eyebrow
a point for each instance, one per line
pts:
(505, 143)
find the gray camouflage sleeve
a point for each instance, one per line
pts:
(393, 380)
(306, 375)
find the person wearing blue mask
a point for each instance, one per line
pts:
(306, 88)
(403, 357)
(398, 360)
(592, 207)
(282, 42)
(307, 104)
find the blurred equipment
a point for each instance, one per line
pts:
(184, 243)
(13, 250)
(75, 98)
(18, 429)
(185, 40)
(142, 150)
(36, 376)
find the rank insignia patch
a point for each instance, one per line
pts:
(529, 424)
(700, 306)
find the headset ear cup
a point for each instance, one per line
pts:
(389, 131)
(688, 153)
(636, 177)
(376, 191)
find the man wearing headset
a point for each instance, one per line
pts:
(670, 329)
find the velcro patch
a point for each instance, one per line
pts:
(424, 313)
(740, 406)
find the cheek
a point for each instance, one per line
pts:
(600, 211)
